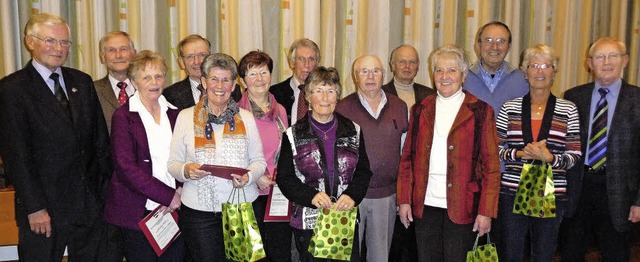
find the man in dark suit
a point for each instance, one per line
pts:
(186, 93)
(404, 64)
(54, 144)
(604, 199)
(303, 57)
(116, 51)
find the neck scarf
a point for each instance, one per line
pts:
(204, 122)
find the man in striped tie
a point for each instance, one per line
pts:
(604, 200)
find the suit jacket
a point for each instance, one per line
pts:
(179, 94)
(108, 100)
(133, 182)
(284, 95)
(421, 91)
(463, 204)
(55, 162)
(623, 152)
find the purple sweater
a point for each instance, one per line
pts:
(382, 139)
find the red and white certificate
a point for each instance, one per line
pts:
(278, 206)
(160, 229)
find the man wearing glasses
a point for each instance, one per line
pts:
(604, 195)
(186, 93)
(55, 147)
(383, 119)
(492, 79)
(303, 57)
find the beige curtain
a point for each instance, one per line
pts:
(344, 29)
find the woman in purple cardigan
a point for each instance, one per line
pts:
(140, 138)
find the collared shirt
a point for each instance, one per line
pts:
(46, 73)
(159, 140)
(194, 90)
(383, 101)
(612, 100)
(492, 82)
(116, 90)
(294, 83)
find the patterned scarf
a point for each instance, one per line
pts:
(272, 115)
(204, 119)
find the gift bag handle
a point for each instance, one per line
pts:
(236, 191)
(478, 237)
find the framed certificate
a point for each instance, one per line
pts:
(278, 206)
(160, 229)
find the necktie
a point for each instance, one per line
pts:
(598, 140)
(302, 104)
(201, 89)
(60, 96)
(122, 96)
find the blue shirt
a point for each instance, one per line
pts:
(490, 81)
(612, 99)
(45, 73)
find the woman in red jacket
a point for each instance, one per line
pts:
(449, 171)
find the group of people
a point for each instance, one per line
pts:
(428, 169)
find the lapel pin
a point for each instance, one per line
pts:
(74, 90)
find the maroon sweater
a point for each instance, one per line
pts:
(382, 138)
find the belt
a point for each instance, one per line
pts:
(600, 171)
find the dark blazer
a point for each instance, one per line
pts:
(55, 162)
(108, 100)
(284, 95)
(420, 91)
(623, 153)
(179, 94)
(133, 182)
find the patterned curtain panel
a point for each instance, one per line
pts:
(344, 30)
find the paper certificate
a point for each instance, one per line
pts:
(278, 206)
(160, 229)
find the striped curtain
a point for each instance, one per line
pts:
(344, 30)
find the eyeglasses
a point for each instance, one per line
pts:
(255, 74)
(540, 66)
(303, 60)
(51, 42)
(192, 57)
(490, 41)
(215, 80)
(611, 56)
(366, 71)
(319, 91)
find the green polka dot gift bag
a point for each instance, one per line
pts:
(242, 241)
(333, 234)
(482, 253)
(535, 195)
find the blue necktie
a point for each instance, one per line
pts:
(598, 140)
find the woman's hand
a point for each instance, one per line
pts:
(537, 151)
(482, 225)
(192, 171)
(265, 182)
(344, 203)
(405, 215)
(240, 181)
(321, 200)
(176, 202)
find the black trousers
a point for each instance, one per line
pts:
(81, 240)
(592, 221)
(276, 236)
(440, 239)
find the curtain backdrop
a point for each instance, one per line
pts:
(343, 29)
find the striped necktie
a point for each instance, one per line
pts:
(60, 95)
(598, 140)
